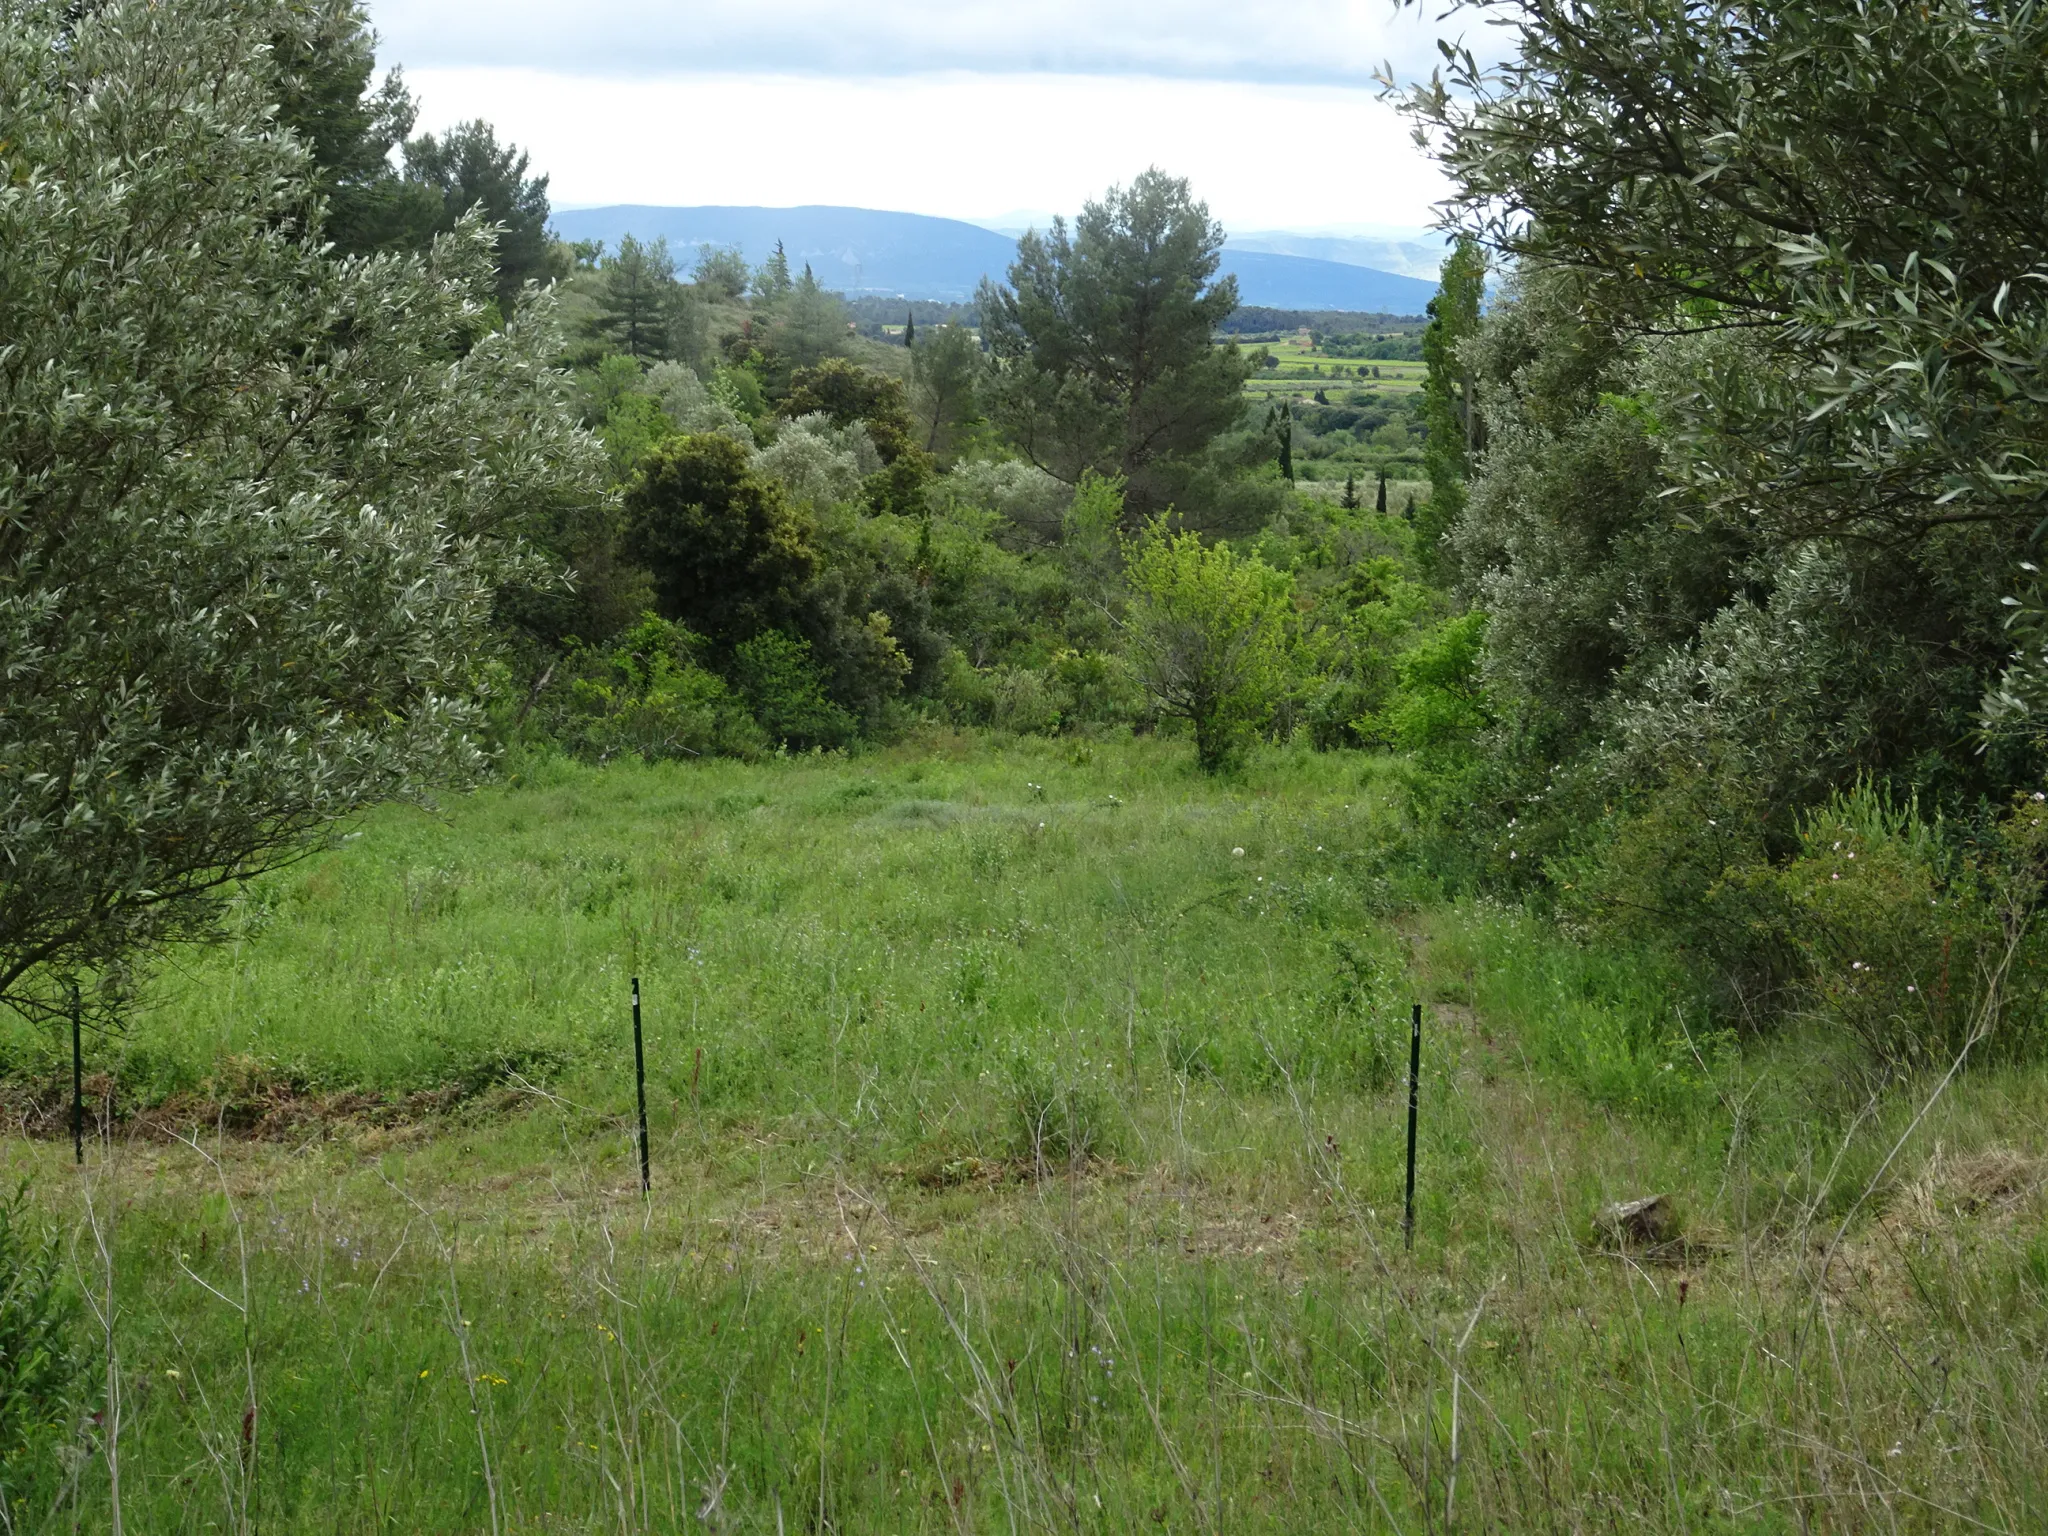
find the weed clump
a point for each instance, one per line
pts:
(1059, 1117)
(43, 1357)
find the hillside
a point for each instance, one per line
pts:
(870, 251)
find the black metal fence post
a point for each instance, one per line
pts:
(640, 1082)
(77, 1081)
(1414, 1078)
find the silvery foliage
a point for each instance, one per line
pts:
(1855, 186)
(1777, 692)
(692, 407)
(254, 501)
(818, 463)
(1019, 493)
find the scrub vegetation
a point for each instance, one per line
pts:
(1027, 764)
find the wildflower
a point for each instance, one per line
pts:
(424, 1374)
(1237, 853)
(173, 1374)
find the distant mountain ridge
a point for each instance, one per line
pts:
(1417, 255)
(867, 251)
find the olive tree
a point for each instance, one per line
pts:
(1854, 191)
(255, 501)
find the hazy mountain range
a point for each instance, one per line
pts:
(1411, 252)
(861, 251)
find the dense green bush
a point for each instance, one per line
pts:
(1439, 708)
(648, 695)
(787, 692)
(1916, 938)
(1208, 634)
(1907, 933)
(729, 554)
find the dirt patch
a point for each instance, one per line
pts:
(265, 1109)
(1994, 1181)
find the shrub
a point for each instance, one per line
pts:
(650, 697)
(1438, 707)
(819, 463)
(783, 684)
(1904, 932)
(1912, 939)
(1021, 700)
(729, 554)
(967, 692)
(1208, 632)
(1685, 869)
(1094, 688)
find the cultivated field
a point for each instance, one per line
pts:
(1302, 370)
(1027, 1126)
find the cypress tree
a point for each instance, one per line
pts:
(1380, 504)
(1350, 501)
(1281, 419)
(910, 328)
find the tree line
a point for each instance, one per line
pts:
(326, 476)
(341, 479)
(1741, 471)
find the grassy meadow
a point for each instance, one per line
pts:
(1026, 1131)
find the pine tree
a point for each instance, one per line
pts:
(772, 282)
(910, 328)
(812, 323)
(634, 302)
(1105, 353)
(1380, 504)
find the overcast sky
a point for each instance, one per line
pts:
(968, 108)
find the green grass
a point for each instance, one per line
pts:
(1301, 371)
(1041, 1169)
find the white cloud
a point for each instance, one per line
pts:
(1333, 42)
(1264, 156)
